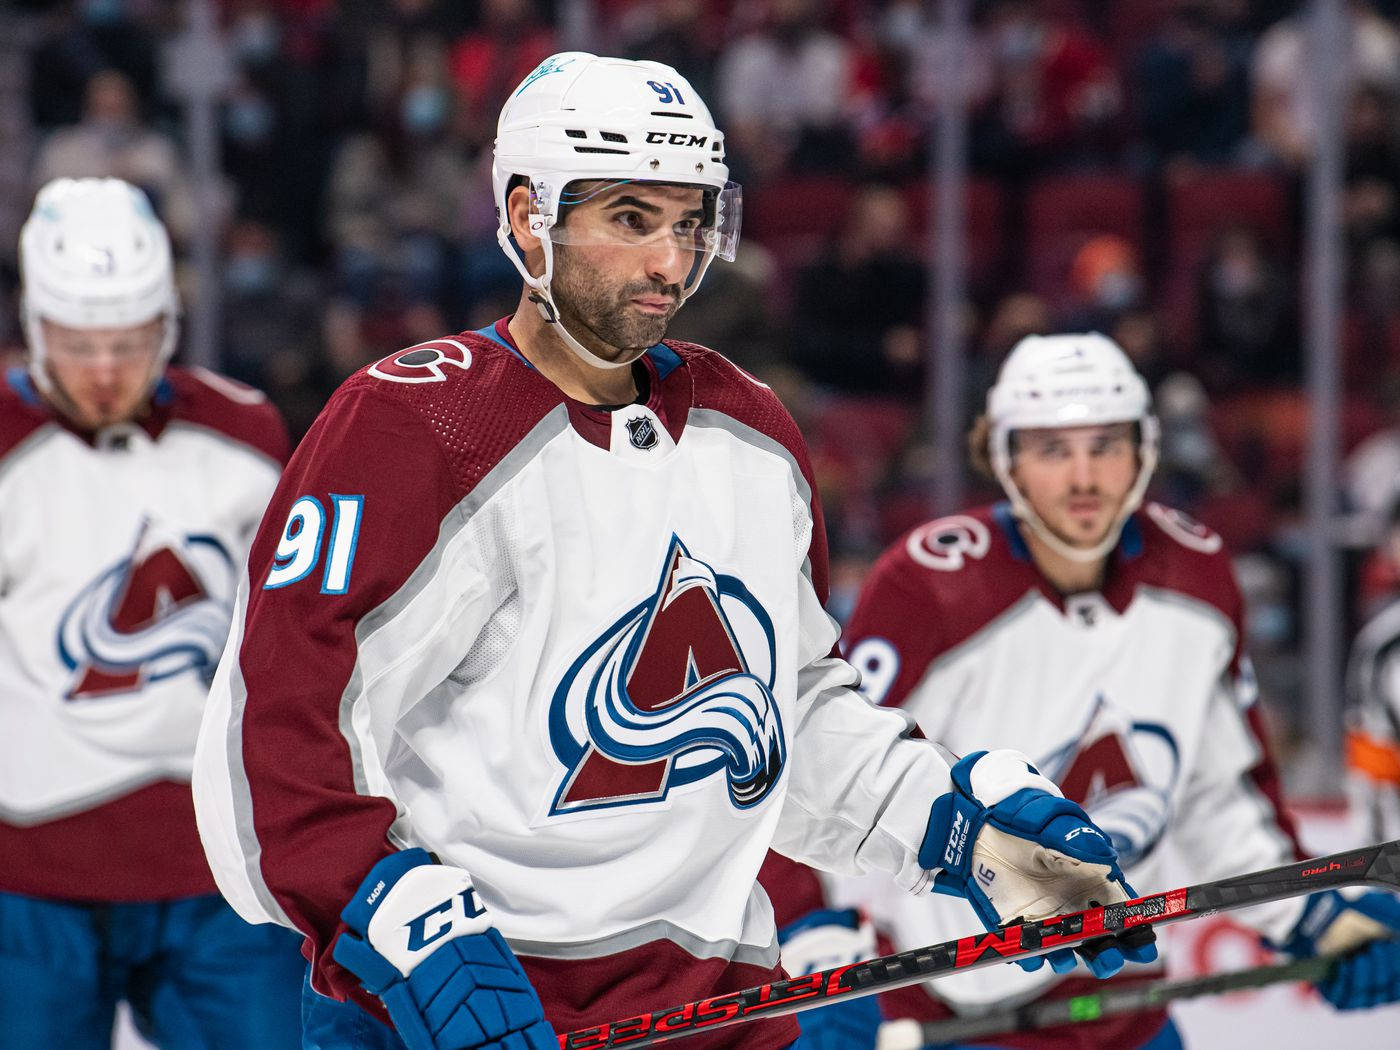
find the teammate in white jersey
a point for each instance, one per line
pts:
(1104, 640)
(129, 491)
(531, 664)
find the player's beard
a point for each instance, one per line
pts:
(587, 303)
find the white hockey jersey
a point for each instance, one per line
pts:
(1373, 727)
(580, 654)
(1137, 700)
(119, 558)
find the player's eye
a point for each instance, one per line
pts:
(631, 221)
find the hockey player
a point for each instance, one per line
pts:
(1103, 639)
(531, 665)
(1373, 713)
(129, 491)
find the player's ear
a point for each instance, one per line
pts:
(518, 210)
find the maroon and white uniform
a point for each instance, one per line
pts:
(119, 558)
(459, 568)
(1138, 700)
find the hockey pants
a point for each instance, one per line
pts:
(197, 976)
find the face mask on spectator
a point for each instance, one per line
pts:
(256, 39)
(249, 120)
(103, 12)
(1019, 41)
(1117, 289)
(424, 109)
(250, 274)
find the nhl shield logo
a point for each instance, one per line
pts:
(641, 432)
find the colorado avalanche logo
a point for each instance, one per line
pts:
(1122, 772)
(160, 612)
(423, 363)
(677, 690)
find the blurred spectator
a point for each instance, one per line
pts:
(269, 309)
(1139, 333)
(1371, 474)
(1247, 318)
(1105, 280)
(1058, 99)
(782, 91)
(1371, 203)
(90, 36)
(888, 119)
(1013, 318)
(674, 32)
(857, 315)
(1282, 101)
(486, 64)
(1373, 318)
(111, 141)
(1192, 86)
(1192, 465)
(732, 312)
(395, 198)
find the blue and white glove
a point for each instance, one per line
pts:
(1008, 841)
(420, 940)
(1363, 930)
(821, 940)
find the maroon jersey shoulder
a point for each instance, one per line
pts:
(1184, 557)
(227, 407)
(722, 386)
(21, 411)
(964, 567)
(478, 398)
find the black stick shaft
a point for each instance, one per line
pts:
(1113, 1001)
(1377, 865)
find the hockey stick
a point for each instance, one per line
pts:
(1377, 865)
(1080, 1009)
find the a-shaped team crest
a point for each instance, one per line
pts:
(1122, 772)
(161, 611)
(677, 690)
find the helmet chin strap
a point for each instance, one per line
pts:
(1148, 451)
(542, 296)
(543, 299)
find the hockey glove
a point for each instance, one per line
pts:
(1364, 927)
(420, 940)
(821, 940)
(1009, 842)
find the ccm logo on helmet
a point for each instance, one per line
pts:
(422, 363)
(676, 138)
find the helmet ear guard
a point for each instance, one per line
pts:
(1048, 382)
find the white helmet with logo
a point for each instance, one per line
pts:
(1050, 381)
(581, 117)
(92, 254)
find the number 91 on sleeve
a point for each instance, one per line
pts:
(305, 535)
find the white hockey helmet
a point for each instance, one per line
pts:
(1050, 381)
(92, 254)
(580, 117)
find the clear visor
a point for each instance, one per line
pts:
(639, 214)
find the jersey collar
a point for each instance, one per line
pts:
(1117, 588)
(669, 400)
(152, 422)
